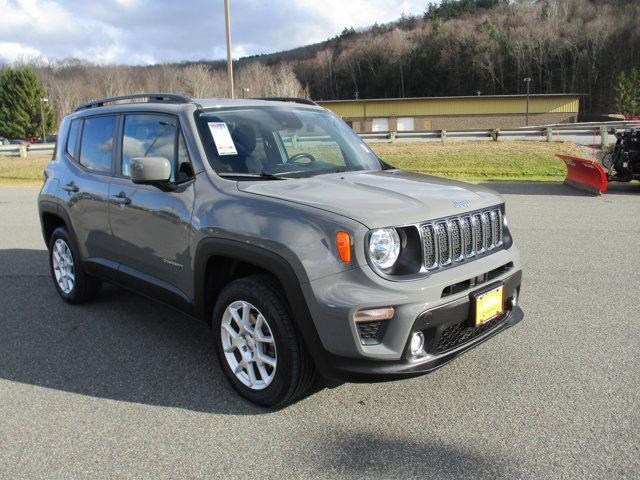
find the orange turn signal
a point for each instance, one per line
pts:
(374, 314)
(343, 240)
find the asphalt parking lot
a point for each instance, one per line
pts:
(126, 388)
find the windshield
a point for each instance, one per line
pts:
(281, 141)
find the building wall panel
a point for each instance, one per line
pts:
(453, 106)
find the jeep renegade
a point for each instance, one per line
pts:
(273, 221)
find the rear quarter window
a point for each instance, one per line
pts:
(72, 138)
(97, 143)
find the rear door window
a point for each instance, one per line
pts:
(96, 145)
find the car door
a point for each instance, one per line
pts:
(89, 152)
(151, 225)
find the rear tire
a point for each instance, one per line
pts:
(73, 284)
(258, 347)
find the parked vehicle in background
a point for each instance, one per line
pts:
(620, 164)
(275, 223)
(17, 141)
(4, 141)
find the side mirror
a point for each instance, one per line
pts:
(150, 170)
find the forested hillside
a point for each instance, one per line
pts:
(458, 47)
(462, 47)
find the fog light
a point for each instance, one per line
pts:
(417, 343)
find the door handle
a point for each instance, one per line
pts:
(121, 199)
(71, 187)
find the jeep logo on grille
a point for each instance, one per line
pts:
(461, 204)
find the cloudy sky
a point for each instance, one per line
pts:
(151, 31)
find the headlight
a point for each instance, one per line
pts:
(384, 247)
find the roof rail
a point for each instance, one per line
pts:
(304, 101)
(151, 98)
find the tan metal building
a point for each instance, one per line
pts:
(455, 113)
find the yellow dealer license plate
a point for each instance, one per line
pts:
(489, 305)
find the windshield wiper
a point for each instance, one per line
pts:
(271, 176)
(267, 175)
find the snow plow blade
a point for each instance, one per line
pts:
(585, 174)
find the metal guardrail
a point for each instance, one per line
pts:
(43, 148)
(581, 133)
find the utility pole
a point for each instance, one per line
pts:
(528, 82)
(229, 59)
(44, 132)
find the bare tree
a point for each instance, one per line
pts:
(199, 81)
(268, 81)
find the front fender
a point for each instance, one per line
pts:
(280, 268)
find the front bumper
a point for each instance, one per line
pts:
(358, 370)
(445, 321)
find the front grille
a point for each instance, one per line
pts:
(443, 243)
(477, 231)
(371, 332)
(429, 243)
(487, 238)
(460, 333)
(456, 239)
(496, 223)
(467, 230)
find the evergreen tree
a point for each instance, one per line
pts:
(627, 99)
(21, 95)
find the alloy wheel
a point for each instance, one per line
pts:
(248, 345)
(63, 266)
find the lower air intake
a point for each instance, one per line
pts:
(371, 332)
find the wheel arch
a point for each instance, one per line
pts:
(52, 217)
(254, 260)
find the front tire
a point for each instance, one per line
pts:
(257, 345)
(73, 284)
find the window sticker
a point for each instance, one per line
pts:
(222, 138)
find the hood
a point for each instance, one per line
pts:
(379, 199)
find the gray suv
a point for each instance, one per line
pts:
(310, 257)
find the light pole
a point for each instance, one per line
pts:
(44, 132)
(227, 19)
(526, 116)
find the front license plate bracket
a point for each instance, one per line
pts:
(487, 304)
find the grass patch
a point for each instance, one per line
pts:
(16, 171)
(480, 161)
